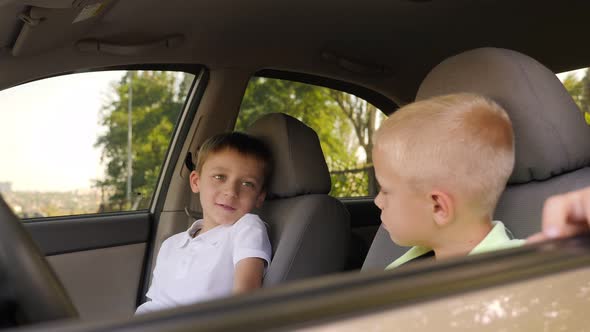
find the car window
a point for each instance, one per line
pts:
(344, 123)
(64, 140)
(577, 83)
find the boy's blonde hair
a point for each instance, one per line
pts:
(461, 142)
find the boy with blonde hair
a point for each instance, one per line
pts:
(442, 164)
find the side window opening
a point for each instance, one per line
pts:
(577, 83)
(66, 140)
(344, 123)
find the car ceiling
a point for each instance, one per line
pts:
(388, 46)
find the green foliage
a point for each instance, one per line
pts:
(579, 89)
(157, 99)
(335, 116)
(575, 87)
(349, 183)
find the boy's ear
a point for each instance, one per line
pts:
(443, 207)
(260, 199)
(193, 180)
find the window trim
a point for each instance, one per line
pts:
(179, 134)
(385, 104)
(57, 235)
(194, 69)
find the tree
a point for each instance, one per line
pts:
(157, 98)
(575, 87)
(363, 117)
(579, 89)
(343, 122)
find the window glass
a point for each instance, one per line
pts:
(344, 123)
(577, 83)
(64, 140)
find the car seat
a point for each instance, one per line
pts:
(309, 230)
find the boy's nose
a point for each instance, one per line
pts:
(377, 200)
(231, 189)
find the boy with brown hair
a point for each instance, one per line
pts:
(228, 250)
(442, 164)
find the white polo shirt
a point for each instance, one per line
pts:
(193, 269)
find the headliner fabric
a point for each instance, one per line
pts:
(299, 164)
(551, 135)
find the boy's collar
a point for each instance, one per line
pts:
(498, 238)
(211, 237)
(194, 228)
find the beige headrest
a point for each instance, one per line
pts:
(551, 135)
(299, 164)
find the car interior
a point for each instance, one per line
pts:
(90, 271)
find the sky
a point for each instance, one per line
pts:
(48, 129)
(579, 74)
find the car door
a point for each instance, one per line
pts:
(544, 287)
(86, 165)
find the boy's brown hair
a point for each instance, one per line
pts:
(244, 144)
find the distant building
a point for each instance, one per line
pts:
(5, 187)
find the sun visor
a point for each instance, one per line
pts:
(51, 27)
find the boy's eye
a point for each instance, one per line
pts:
(219, 177)
(248, 184)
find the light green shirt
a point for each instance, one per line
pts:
(496, 239)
